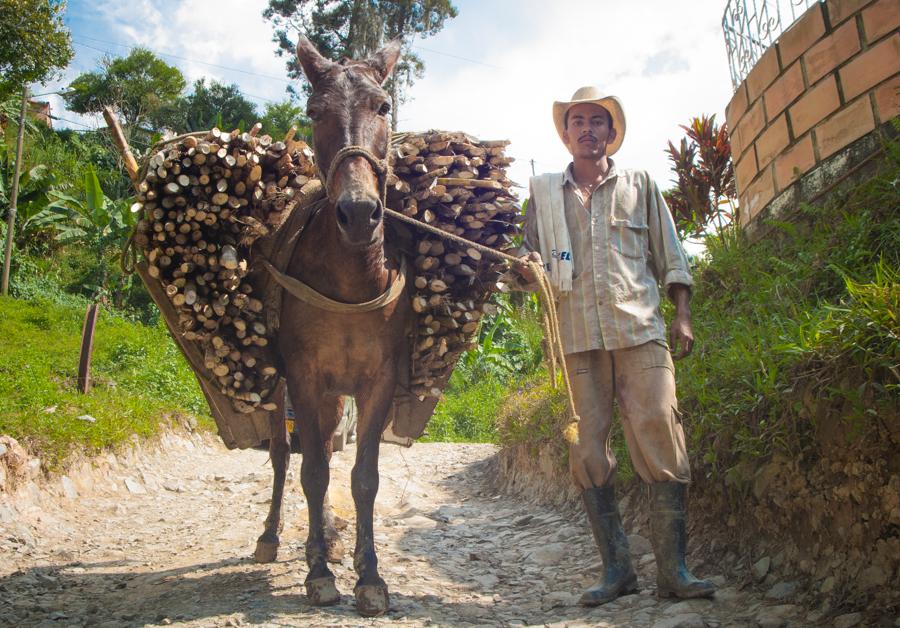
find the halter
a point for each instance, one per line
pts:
(381, 167)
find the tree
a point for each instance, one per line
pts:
(280, 117)
(142, 88)
(358, 28)
(705, 192)
(34, 42)
(215, 104)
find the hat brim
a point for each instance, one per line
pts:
(612, 104)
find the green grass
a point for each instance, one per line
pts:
(468, 413)
(140, 381)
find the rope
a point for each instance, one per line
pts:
(128, 257)
(555, 354)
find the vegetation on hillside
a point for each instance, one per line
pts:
(805, 320)
(141, 383)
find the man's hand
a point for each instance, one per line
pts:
(681, 334)
(525, 271)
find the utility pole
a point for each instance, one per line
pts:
(11, 214)
(532, 168)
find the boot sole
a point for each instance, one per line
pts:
(686, 595)
(627, 588)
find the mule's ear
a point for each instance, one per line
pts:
(383, 61)
(314, 65)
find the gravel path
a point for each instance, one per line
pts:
(167, 538)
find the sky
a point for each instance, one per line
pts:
(493, 71)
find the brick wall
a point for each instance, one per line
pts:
(829, 80)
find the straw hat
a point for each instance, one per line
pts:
(592, 94)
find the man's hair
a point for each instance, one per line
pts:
(609, 117)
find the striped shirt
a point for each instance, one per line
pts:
(623, 244)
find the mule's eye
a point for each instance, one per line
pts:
(312, 113)
(384, 109)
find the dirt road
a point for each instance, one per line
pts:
(166, 538)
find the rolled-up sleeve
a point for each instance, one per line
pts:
(670, 262)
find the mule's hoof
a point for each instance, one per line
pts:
(371, 599)
(266, 551)
(334, 550)
(322, 592)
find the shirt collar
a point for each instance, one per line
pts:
(568, 177)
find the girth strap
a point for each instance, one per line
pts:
(309, 296)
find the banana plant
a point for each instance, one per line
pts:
(96, 220)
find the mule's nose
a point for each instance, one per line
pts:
(358, 217)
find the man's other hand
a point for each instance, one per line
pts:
(681, 334)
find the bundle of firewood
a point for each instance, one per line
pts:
(457, 184)
(204, 198)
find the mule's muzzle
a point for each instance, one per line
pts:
(358, 218)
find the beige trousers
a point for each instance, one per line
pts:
(642, 380)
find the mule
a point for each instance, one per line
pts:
(343, 256)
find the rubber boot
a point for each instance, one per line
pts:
(669, 535)
(618, 575)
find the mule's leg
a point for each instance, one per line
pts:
(280, 454)
(314, 476)
(371, 591)
(333, 543)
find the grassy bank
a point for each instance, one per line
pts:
(140, 381)
(803, 324)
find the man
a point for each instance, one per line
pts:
(609, 240)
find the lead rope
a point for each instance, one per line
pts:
(555, 355)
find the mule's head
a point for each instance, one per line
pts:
(348, 108)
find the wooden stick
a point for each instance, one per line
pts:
(131, 165)
(470, 183)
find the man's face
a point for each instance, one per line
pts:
(588, 131)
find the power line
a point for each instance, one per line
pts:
(278, 78)
(452, 56)
(167, 54)
(268, 100)
(53, 117)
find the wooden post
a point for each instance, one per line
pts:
(87, 348)
(11, 215)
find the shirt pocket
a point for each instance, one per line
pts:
(629, 237)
